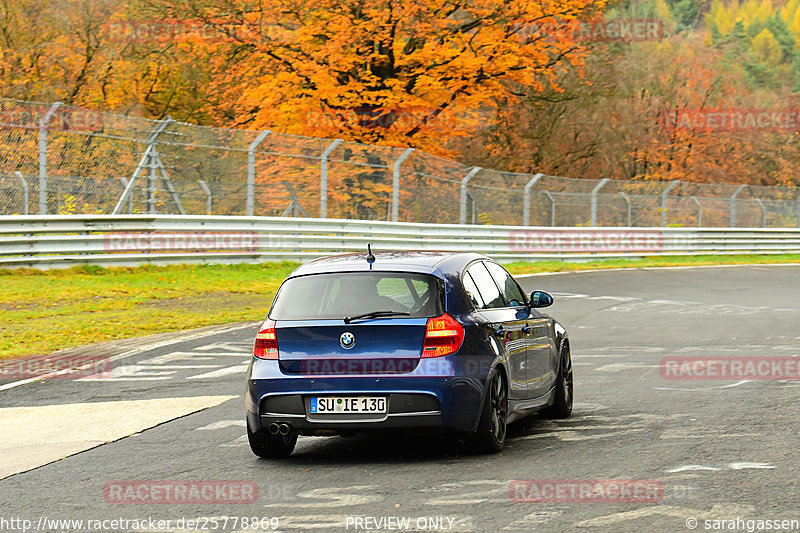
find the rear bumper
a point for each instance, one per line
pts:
(416, 400)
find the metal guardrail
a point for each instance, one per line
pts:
(125, 240)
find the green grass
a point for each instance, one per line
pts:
(44, 311)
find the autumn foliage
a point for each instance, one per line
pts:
(524, 86)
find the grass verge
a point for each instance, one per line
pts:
(524, 267)
(44, 311)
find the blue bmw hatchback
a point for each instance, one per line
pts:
(363, 342)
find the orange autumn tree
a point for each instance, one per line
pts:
(411, 73)
(418, 73)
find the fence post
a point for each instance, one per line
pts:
(396, 183)
(628, 203)
(763, 212)
(594, 199)
(664, 195)
(24, 192)
(699, 211)
(797, 205)
(251, 171)
(323, 177)
(43, 157)
(471, 206)
(526, 201)
(733, 204)
(552, 208)
(464, 193)
(208, 196)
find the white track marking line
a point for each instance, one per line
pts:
(202, 357)
(133, 352)
(222, 424)
(238, 369)
(744, 466)
(718, 511)
(705, 389)
(693, 468)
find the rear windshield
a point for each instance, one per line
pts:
(324, 296)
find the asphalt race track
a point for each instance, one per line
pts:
(718, 449)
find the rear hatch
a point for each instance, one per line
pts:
(382, 346)
(354, 323)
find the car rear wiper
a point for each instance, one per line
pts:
(375, 314)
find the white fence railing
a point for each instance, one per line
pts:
(124, 240)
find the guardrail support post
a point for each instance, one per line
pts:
(323, 177)
(24, 192)
(628, 203)
(763, 212)
(151, 183)
(208, 195)
(251, 171)
(130, 196)
(464, 193)
(526, 200)
(664, 197)
(396, 183)
(594, 199)
(699, 211)
(733, 204)
(43, 157)
(552, 208)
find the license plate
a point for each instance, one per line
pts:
(348, 404)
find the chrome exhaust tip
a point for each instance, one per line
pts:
(273, 428)
(284, 429)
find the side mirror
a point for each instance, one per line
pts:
(541, 299)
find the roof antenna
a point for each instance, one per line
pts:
(370, 257)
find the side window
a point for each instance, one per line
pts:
(486, 287)
(472, 291)
(511, 290)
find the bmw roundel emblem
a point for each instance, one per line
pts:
(347, 340)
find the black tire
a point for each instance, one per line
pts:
(562, 404)
(268, 446)
(491, 434)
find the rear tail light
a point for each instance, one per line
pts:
(266, 346)
(443, 336)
